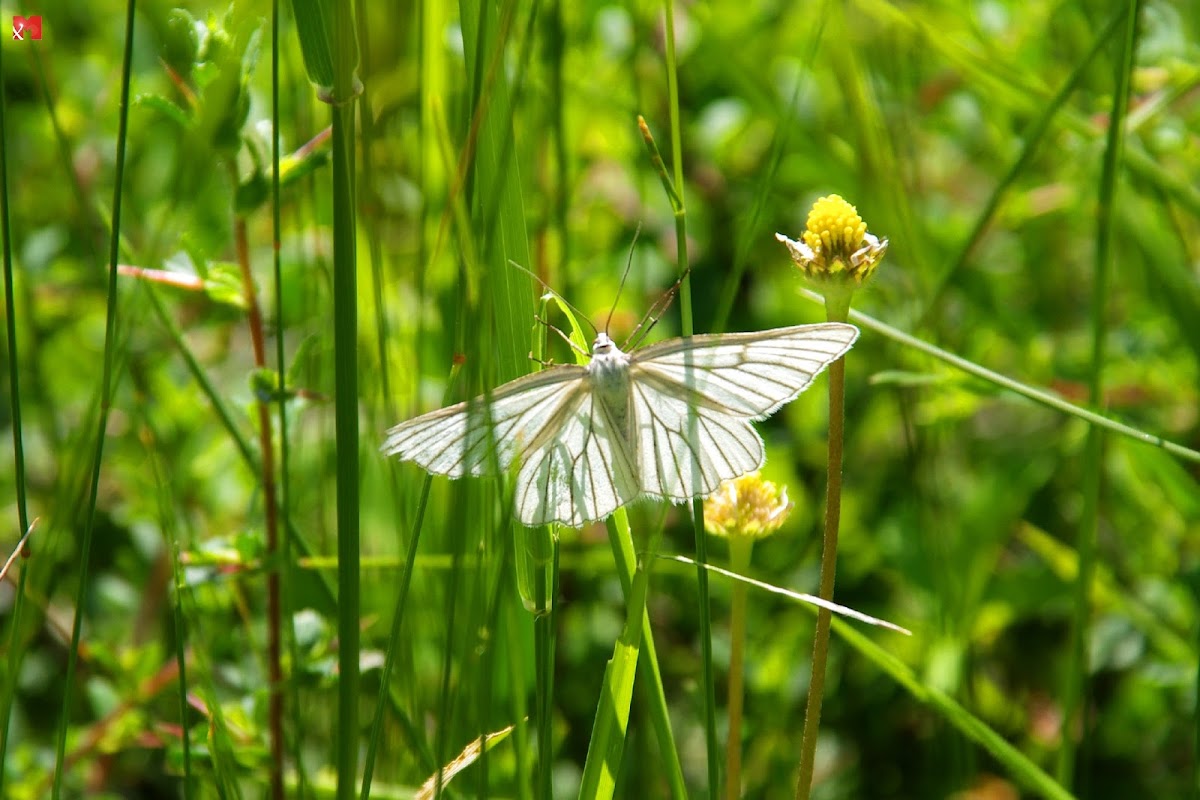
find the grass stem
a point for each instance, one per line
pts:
(837, 309)
(740, 549)
(107, 381)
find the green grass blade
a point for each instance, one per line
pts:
(346, 400)
(286, 563)
(393, 639)
(1041, 396)
(536, 560)
(106, 390)
(393, 642)
(8, 680)
(313, 31)
(1021, 768)
(1074, 699)
(611, 723)
(625, 560)
(180, 590)
(545, 641)
(497, 189)
(674, 190)
(13, 660)
(494, 194)
(1030, 142)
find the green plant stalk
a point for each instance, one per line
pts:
(513, 616)
(543, 644)
(495, 601)
(611, 724)
(367, 186)
(837, 307)
(345, 340)
(740, 548)
(1195, 780)
(543, 648)
(13, 660)
(537, 563)
(394, 641)
(552, 624)
(395, 648)
(444, 710)
(389, 659)
(674, 189)
(106, 392)
(537, 559)
(546, 624)
(625, 559)
(285, 564)
(171, 535)
(562, 193)
(1075, 693)
(623, 552)
(489, 176)
(271, 514)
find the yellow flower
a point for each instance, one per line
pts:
(836, 245)
(746, 507)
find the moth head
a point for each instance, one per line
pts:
(603, 345)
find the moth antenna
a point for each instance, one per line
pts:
(561, 299)
(657, 309)
(625, 274)
(565, 338)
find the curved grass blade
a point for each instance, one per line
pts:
(1041, 396)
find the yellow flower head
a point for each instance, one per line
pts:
(747, 507)
(836, 245)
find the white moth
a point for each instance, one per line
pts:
(589, 439)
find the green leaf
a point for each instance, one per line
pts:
(168, 109)
(224, 284)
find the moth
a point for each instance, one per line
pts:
(585, 440)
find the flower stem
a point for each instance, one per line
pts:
(837, 307)
(739, 562)
(275, 708)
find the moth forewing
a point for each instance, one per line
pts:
(749, 375)
(454, 440)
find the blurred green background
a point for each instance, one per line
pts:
(971, 135)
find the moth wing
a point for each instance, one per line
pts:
(749, 375)
(478, 436)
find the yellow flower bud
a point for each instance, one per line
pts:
(746, 507)
(836, 245)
